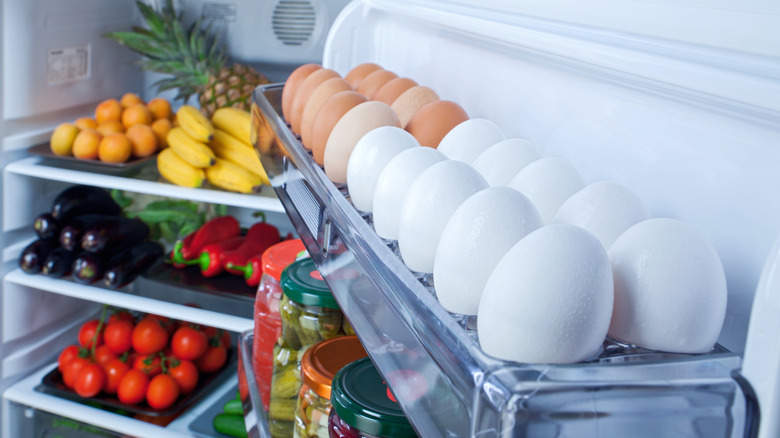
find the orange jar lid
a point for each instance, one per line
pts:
(279, 256)
(324, 359)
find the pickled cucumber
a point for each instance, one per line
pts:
(286, 384)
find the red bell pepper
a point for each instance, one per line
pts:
(215, 230)
(252, 270)
(211, 258)
(259, 237)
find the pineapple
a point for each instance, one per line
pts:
(193, 57)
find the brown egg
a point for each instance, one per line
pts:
(326, 118)
(317, 98)
(359, 72)
(433, 121)
(394, 88)
(373, 82)
(304, 92)
(411, 100)
(350, 128)
(292, 84)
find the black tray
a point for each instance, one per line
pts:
(52, 384)
(224, 284)
(70, 162)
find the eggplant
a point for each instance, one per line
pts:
(114, 234)
(73, 231)
(127, 265)
(88, 268)
(59, 262)
(80, 199)
(33, 255)
(46, 227)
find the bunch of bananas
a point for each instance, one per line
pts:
(218, 151)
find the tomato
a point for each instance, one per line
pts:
(162, 391)
(132, 387)
(115, 369)
(121, 315)
(149, 336)
(149, 364)
(212, 359)
(66, 355)
(188, 343)
(222, 335)
(90, 380)
(103, 354)
(118, 335)
(87, 333)
(71, 370)
(185, 373)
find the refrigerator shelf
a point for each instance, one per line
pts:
(24, 393)
(134, 302)
(465, 392)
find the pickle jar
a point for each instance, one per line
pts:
(318, 366)
(268, 324)
(362, 405)
(309, 314)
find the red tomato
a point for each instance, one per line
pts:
(185, 373)
(90, 380)
(162, 391)
(121, 315)
(212, 359)
(149, 364)
(87, 333)
(103, 354)
(115, 369)
(132, 387)
(222, 335)
(118, 335)
(188, 343)
(71, 370)
(149, 336)
(66, 355)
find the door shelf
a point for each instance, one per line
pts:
(131, 301)
(411, 338)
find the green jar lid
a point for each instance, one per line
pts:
(362, 399)
(302, 282)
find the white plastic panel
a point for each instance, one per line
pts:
(693, 130)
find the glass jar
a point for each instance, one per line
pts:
(318, 366)
(268, 324)
(309, 314)
(363, 406)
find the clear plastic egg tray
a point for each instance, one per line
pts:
(447, 385)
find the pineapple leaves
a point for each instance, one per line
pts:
(153, 20)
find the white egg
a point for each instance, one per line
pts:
(430, 202)
(502, 161)
(371, 154)
(475, 238)
(548, 182)
(670, 287)
(393, 184)
(549, 299)
(468, 139)
(605, 208)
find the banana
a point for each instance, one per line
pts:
(234, 121)
(195, 152)
(178, 171)
(232, 177)
(195, 123)
(230, 148)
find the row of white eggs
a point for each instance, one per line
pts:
(549, 265)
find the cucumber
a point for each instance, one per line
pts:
(234, 407)
(229, 424)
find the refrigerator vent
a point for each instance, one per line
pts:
(293, 21)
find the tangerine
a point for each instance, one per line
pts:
(115, 148)
(86, 123)
(143, 139)
(110, 127)
(86, 144)
(136, 114)
(161, 127)
(130, 99)
(160, 108)
(109, 109)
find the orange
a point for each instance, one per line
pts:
(85, 146)
(110, 127)
(160, 108)
(109, 109)
(130, 99)
(143, 139)
(136, 114)
(115, 148)
(86, 123)
(161, 128)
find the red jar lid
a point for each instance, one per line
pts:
(279, 256)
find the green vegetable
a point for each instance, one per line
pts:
(230, 424)
(286, 384)
(233, 407)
